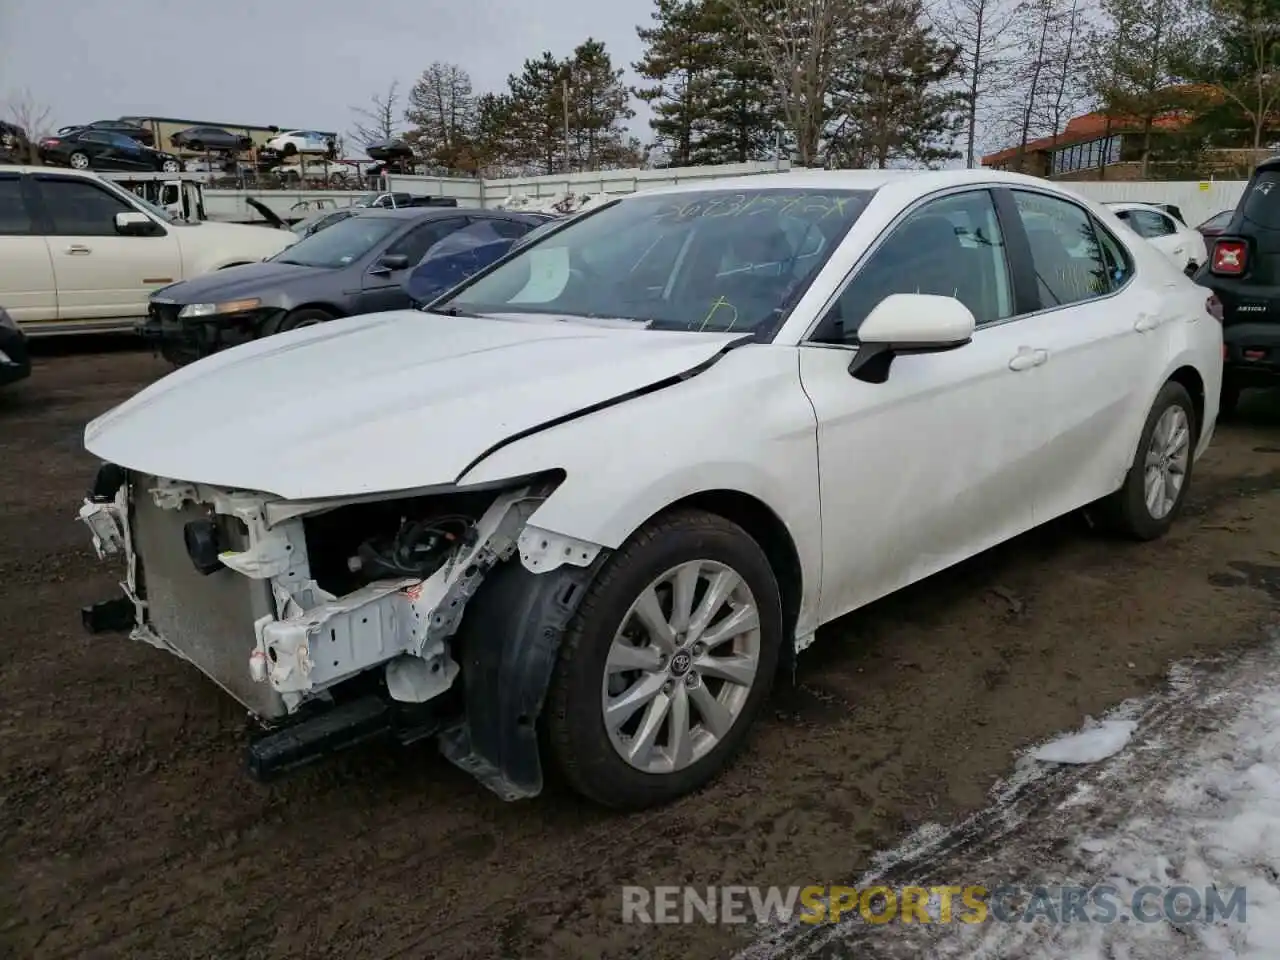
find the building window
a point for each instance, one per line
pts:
(1086, 156)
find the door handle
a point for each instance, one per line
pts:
(78, 248)
(1026, 358)
(1146, 322)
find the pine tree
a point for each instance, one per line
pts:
(532, 125)
(893, 100)
(684, 61)
(743, 116)
(599, 106)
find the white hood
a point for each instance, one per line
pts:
(379, 403)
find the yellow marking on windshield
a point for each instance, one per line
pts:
(716, 305)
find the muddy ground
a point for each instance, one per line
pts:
(127, 827)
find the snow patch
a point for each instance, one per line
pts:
(1095, 742)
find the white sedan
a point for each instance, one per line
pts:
(300, 141)
(1183, 245)
(606, 489)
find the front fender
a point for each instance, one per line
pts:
(743, 425)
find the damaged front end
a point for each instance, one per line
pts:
(333, 622)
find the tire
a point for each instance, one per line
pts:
(296, 320)
(170, 166)
(1228, 401)
(1127, 511)
(196, 146)
(581, 745)
(289, 150)
(79, 160)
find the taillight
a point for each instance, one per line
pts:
(1229, 257)
(1214, 307)
(50, 142)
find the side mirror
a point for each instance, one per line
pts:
(906, 323)
(133, 224)
(390, 263)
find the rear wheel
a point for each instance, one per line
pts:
(1155, 487)
(170, 166)
(667, 663)
(79, 161)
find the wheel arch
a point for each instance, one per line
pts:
(330, 308)
(759, 521)
(1189, 377)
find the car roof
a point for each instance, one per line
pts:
(911, 181)
(414, 213)
(1135, 205)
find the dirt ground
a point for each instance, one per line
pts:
(127, 827)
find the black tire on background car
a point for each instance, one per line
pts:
(1156, 485)
(170, 166)
(79, 160)
(295, 320)
(1228, 400)
(646, 705)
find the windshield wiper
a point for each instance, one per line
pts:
(452, 312)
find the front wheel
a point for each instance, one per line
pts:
(1155, 487)
(170, 166)
(667, 662)
(296, 321)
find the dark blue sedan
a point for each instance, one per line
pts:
(359, 265)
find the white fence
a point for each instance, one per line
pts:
(1198, 200)
(607, 182)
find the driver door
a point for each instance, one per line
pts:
(101, 274)
(383, 289)
(933, 465)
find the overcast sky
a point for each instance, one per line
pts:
(301, 63)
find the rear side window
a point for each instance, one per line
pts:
(1116, 257)
(14, 218)
(1261, 202)
(1068, 260)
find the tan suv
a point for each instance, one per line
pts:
(80, 254)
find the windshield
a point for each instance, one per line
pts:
(341, 244)
(1261, 203)
(713, 260)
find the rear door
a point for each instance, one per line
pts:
(101, 274)
(27, 289)
(1099, 333)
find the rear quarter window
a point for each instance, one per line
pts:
(1261, 202)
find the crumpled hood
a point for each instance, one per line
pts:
(382, 402)
(263, 280)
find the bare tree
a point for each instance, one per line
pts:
(25, 111)
(1066, 86)
(979, 29)
(801, 43)
(380, 120)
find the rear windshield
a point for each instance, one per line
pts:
(1261, 202)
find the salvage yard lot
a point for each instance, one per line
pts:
(130, 829)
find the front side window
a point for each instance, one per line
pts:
(711, 260)
(14, 218)
(341, 244)
(420, 239)
(1065, 254)
(949, 247)
(80, 208)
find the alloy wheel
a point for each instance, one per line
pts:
(681, 666)
(1168, 455)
